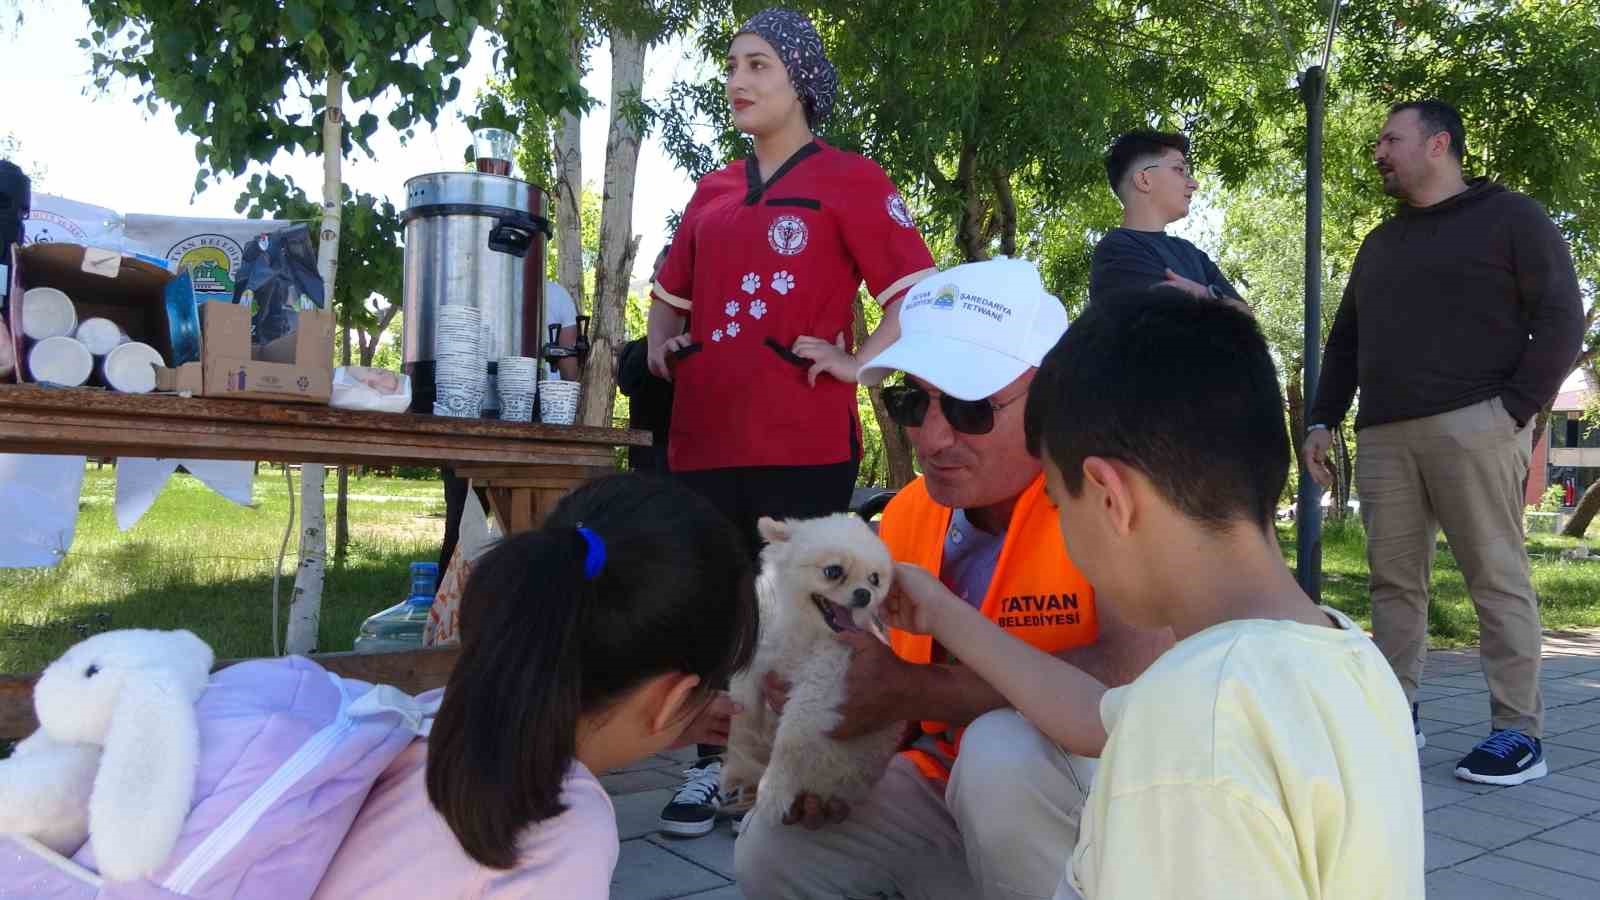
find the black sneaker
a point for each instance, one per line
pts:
(1422, 739)
(693, 810)
(1505, 757)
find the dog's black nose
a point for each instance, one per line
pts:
(861, 597)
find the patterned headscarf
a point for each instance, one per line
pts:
(800, 50)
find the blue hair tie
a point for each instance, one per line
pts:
(594, 557)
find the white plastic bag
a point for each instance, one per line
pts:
(370, 390)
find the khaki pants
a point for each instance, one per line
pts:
(1004, 828)
(1462, 470)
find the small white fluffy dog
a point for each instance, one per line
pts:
(818, 577)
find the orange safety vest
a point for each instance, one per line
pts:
(1036, 593)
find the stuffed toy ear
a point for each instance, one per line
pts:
(772, 530)
(44, 792)
(146, 782)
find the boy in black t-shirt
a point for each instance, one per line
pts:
(1149, 172)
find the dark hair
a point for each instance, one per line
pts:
(542, 644)
(1133, 146)
(1437, 116)
(1182, 390)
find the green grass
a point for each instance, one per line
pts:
(1569, 590)
(197, 561)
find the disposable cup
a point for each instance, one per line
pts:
(60, 360)
(558, 402)
(47, 313)
(131, 368)
(101, 336)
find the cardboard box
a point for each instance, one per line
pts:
(296, 367)
(102, 283)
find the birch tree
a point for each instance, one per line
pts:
(254, 78)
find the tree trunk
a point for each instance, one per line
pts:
(899, 468)
(1006, 211)
(1295, 397)
(305, 604)
(618, 245)
(341, 506)
(972, 231)
(1342, 472)
(569, 194)
(1541, 422)
(370, 342)
(1584, 514)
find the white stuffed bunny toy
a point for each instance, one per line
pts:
(115, 755)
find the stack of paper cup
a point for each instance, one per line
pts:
(516, 380)
(558, 402)
(60, 360)
(459, 366)
(491, 394)
(131, 368)
(101, 336)
(47, 313)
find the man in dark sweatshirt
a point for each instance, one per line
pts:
(1150, 174)
(649, 397)
(1460, 320)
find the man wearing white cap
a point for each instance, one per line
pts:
(981, 804)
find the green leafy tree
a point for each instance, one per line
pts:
(367, 296)
(254, 78)
(992, 117)
(11, 149)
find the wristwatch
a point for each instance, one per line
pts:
(1314, 427)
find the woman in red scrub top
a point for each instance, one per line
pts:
(765, 266)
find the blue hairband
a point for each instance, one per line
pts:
(594, 557)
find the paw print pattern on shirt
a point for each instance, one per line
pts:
(758, 308)
(751, 283)
(732, 309)
(733, 329)
(716, 335)
(782, 282)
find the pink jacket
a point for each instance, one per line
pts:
(288, 754)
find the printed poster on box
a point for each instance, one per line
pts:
(57, 220)
(211, 250)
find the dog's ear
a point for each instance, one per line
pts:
(773, 531)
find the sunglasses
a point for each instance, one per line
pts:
(908, 407)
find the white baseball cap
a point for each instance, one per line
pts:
(971, 330)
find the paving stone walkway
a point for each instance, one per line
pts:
(1535, 841)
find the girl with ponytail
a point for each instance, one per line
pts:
(586, 645)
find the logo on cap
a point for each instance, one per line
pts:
(946, 297)
(787, 235)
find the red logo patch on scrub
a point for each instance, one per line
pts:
(787, 235)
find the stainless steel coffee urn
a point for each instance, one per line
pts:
(478, 240)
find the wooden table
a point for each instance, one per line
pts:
(524, 468)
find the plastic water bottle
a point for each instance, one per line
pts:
(400, 626)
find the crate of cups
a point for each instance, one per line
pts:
(66, 352)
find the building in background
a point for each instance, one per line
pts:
(1569, 453)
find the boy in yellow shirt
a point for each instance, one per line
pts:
(1269, 753)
